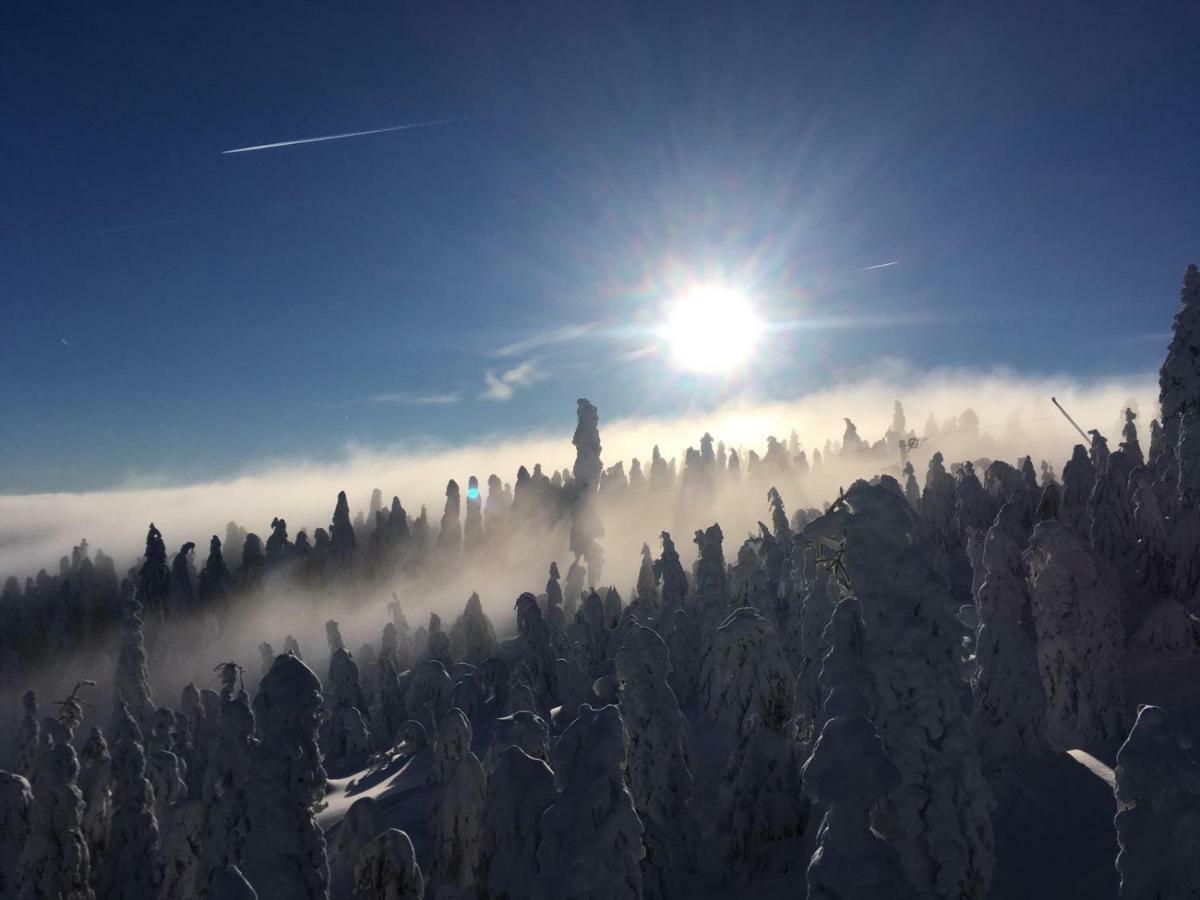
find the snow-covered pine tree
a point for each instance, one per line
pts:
(591, 847)
(387, 869)
(1080, 640)
(660, 779)
(520, 789)
(131, 866)
(285, 847)
(456, 817)
(1010, 705)
(1158, 807)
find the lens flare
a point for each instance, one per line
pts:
(712, 329)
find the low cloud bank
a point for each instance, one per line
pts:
(1014, 414)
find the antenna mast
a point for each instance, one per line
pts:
(1067, 415)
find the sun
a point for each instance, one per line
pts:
(712, 329)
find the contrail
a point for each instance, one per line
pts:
(338, 137)
(894, 262)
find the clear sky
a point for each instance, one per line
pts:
(1031, 168)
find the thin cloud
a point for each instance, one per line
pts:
(412, 399)
(501, 387)
(894, 262)
(340, 137)
(544, 338)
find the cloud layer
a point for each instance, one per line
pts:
(1014, 412)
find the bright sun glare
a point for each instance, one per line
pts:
(712, 329)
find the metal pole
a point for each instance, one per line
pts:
(1082, 433)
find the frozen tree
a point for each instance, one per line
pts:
(224, 793)
(573, 590)
(591, 847)
(456, 817)
(292, 646)
(805, 642)
(54, 860)
(214, 582)
(333, 637)
(1179, 377)
(95, 783)
(535, 648)
(472, 637)
(660, 780)
(286, 848)
(473, 525)
(1047, 509)
(1158, 809)
(164, 767)
(681, 631)
(612, 608)
(712, 601)
(25, 745)
(912, 491)
(362, 822)
(524, 730)
(181, 593)
(939, 815)
(938, 501)
(1111, 529)
(1080, 640)
(1010, 705)
(1098, 451)
(278, 546)
(342, 543)
(973, 508)
(1129, 440)
(154, 577)
(848, 773)
(130, 867)
(669, 572)
(16, 802)
(647, 582)
(427, 695)
(1152, 559)
(520, 789)
(746, 680)
(131, 683)
(1079, 477)
(387, 869)
(586, 528)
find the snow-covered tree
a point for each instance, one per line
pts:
(1153, 564)
(660, 779)
(1079, 477)
(1010, 705)
(131, 683)
(746, 680)
(669, 571)
(804, 642)
(387, 869)
(586, 527)
(362, 822)
(54, 860)
(224, 793)
(1179, 377)
(95, 783)
(1080, 640)
(939, 815)
(285, 847)
(456, 817)
(131, 866)
(473, 524)
(535, 648)
(520, 789)
(1111, 531)
(647, 582)
(29, 731)
(525, 730)
(342, 542)
(1158, 809)
(848, 773)
(591, 847)
(16, 802)
(472, 637)
(1129, 440)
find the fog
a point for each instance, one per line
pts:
(1015, 416)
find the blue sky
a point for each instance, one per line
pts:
(171, 309)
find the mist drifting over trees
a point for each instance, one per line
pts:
(861, 664)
